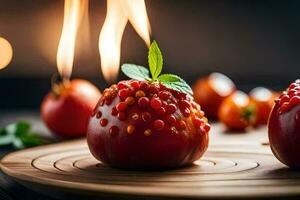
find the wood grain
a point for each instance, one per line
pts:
(230, 169)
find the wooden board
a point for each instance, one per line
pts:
(231, 168)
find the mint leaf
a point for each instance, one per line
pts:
(155, 60)
(136, 72)
(175, 82)
(19, 135)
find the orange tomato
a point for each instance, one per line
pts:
(237, 112)
(211, 91)
(263, 99)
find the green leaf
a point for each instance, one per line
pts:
(6, 139)
(22, 128)
(175, 82)
(31, 139)
(19, 135)
(155, 60)
(136, 72)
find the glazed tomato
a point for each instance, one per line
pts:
(211, 91)
(263, 99)
(143, 125)
(67, 109)
(237, 112)
(284, 126)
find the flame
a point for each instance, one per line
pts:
(118, 14)
(73, 14)
(137, 15)
(6, 53)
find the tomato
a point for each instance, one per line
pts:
(284, 126)
(211, 91)
(263, 99)
(143, 125)
(66, 111)
(237, 112)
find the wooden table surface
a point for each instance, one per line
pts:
(244, 159)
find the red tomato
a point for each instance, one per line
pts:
(284, 127)
(211, 91)
(67, 113)
(139, 125)
(237, 112)
(263, 99)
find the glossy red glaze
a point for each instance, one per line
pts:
(284, 130)
(68, 113)
(144, 140)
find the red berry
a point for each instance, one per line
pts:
(183, 104)
(103, 122)
(123, 93)
(161, 111)
(293, 85)
(197, 122)
(135, 85)
(158, 124)
(292, 93)
(114, 130)
(114, 111)
(143, 102)
(122, 106)
(144, 86)
(206, 128)
(99, 114)
(180, 125)
(170, 108)
(121, 85)
(170, 119)
(295, 100)
(122, 116)
(186, 112)
(164, 95)
(155, 103)
(284, 98)
(153, 89)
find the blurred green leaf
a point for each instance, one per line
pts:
(19, 135)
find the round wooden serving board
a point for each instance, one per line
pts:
(226, 171)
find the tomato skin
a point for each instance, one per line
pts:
(284, 135)
(263, 111)
(67, 114)
(208, 97)
(263, 99)
(232, 114)
(161, 149)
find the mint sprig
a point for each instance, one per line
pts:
(19, 135)
(155, 62)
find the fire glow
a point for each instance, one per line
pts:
(73, 14)
(6, 52)
(118, 14)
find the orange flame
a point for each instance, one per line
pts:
(6, 53)
(118, 14)
(73, 14)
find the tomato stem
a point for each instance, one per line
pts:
(59, 84)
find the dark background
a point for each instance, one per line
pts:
(255, 42)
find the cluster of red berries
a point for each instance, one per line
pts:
(151, 106)
(289, 98)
